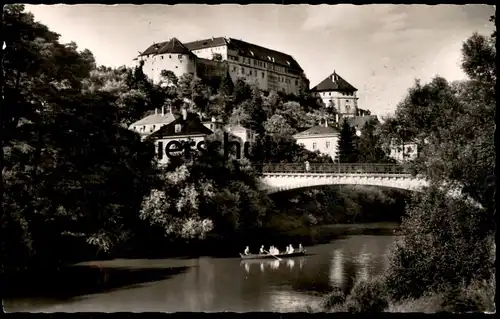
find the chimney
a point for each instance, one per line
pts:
(162, 111)
(184, 114)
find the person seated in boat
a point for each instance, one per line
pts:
(247, 251)
(291, 250)
(273, 251)
(262, 251)
(301, 249)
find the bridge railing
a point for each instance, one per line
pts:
(343, 168)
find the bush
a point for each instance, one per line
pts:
(477, 297)
(367, 296)
(428, 303)
(447, 243)
(334, 299)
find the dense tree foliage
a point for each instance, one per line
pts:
(449, 243)
(347, 149)
(71, 172)
(370, 147)
(205, 193)
(435, 114)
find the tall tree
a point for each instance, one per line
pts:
(448, 242)
(347, 148)
(369, 145)
(63, 150)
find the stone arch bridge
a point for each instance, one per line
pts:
(282, 177)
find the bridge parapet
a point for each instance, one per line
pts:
(334, 168)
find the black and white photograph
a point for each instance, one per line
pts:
(248, 158)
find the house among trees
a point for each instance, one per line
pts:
(153, 122)
(188, 128)
(336, 92)
(322, 138)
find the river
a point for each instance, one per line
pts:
(210, 284)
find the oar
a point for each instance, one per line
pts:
(273, 255)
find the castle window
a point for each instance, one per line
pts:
(347, 101)
(250, 72)
(243, 70)
(327, 144)
(314, 146)
(329, 93)
(234, 69)
(262, 74)
(296, 82)
(162, 57)
(169, 56)
(179, 56)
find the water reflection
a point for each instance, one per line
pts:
(363, 260)
(337, 269)
(274, 264)
(225, 284)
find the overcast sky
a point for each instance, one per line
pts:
(380, 49)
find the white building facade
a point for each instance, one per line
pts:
(324, 139)
(268, 69)
(336, 92)
(153, 122)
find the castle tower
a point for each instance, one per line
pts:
(337, 92)
(170, 56)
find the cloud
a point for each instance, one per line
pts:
(347, 16)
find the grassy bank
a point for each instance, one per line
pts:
(373, 296)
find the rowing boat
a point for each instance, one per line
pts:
(268, 256)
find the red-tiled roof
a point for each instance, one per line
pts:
(172, 46)
(317, 130)
(334, 82)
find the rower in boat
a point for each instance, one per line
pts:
(290, 249)
(247, 251)
(301, 249)
(262, 251)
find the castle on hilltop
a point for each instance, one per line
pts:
(268, 69)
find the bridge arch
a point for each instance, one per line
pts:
(274, 183)
(284, 177)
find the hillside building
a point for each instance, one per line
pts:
(266, 68)
(322, 138)
(152, 123)
(186, 128)
(336, 92)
